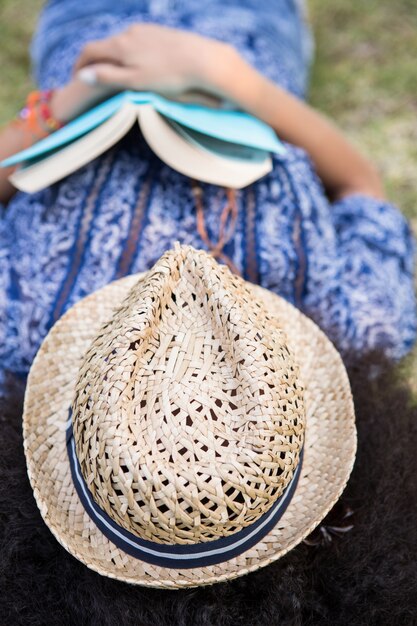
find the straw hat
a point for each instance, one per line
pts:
(184, 427)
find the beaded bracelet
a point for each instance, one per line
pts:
(36, 117)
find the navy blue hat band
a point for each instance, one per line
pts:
(173, 555)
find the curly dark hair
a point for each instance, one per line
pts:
(367, 575)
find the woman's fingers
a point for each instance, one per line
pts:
(107, 50)
(107, 74)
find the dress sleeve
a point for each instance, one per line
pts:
(363, 294)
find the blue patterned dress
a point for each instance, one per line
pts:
(348, 265)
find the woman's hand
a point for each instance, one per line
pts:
(149, 57)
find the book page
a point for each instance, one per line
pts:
(70, 158)
(234, 151)
(190, 160)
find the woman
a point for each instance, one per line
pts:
(317, 229)
(354, 256)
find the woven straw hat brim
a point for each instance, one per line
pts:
(329, 450)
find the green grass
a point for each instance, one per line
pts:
(17, 21)
(364, 77)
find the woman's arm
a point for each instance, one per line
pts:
(66, 103)
(341, 167)
(12, 140)
(148, 56)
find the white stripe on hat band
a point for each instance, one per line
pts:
(169, 555)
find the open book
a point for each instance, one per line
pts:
(219, 146)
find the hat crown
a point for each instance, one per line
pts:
(188, 413)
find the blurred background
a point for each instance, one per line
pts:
(364, 77)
